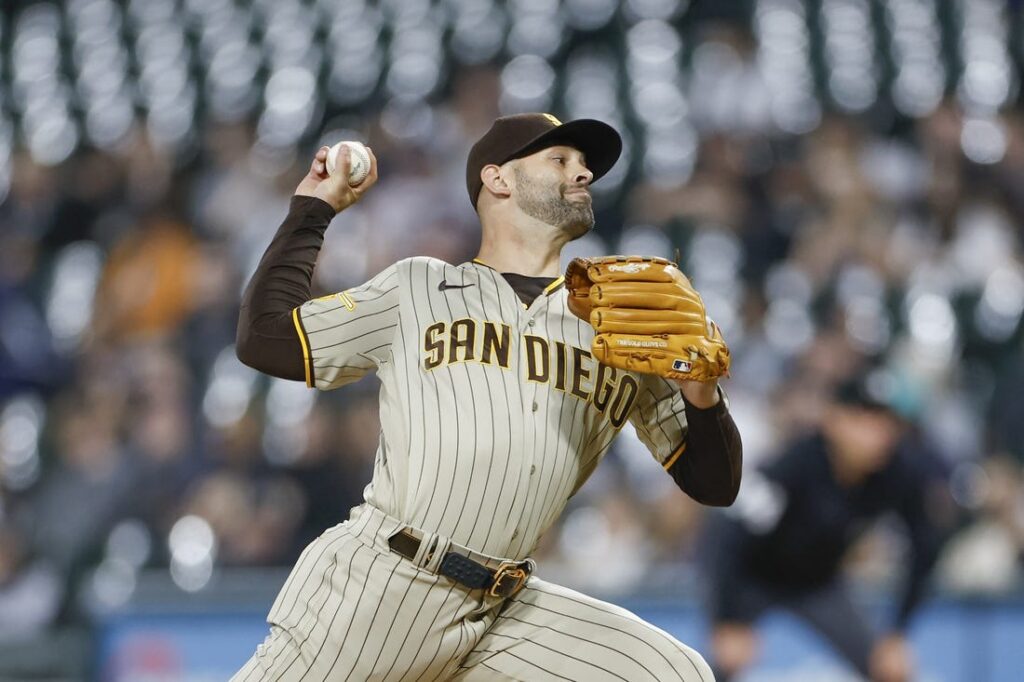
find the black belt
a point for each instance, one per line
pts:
(505, 581)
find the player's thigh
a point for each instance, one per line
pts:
(548, 632)
(351, 611)
(278, 646)
(831, 612)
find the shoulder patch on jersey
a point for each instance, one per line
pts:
(342, 296)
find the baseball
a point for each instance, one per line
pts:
(359, 159)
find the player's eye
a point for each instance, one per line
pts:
(559, 159)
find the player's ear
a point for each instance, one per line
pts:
(494, 180)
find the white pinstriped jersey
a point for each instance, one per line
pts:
(492, 413)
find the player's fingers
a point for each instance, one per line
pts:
(371, 177)
(344, 162)
(318, 168)
(337, 182)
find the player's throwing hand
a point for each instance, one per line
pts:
(334, 189)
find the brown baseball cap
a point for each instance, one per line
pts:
(519, 135)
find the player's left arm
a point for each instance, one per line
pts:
(649, 319)
(693, 436)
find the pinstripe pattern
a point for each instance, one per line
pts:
(352, 610)
(375, 616)
(470, 437)
(481, 445)
(548, 632)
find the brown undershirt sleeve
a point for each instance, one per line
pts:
(710, 468)
(267, 339)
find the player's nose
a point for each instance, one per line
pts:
(583, 176)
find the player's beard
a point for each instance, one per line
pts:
(548, 204)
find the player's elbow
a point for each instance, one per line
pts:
(245, 348)
(719, 498)
(251, 347)
(265, 346)
(730, 493)
(722, 494)
(729, 486)
(711, 481)
(724, 500)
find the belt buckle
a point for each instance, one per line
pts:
(508, 580)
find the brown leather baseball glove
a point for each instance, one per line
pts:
(648, 317)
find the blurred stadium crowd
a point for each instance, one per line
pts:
(843, 179)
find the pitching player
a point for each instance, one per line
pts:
(501, 389)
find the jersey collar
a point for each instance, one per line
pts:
(548, 290)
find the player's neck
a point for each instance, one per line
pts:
(524, 250)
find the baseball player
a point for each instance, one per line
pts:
(502, 386)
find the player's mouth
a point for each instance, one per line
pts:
(578, 192)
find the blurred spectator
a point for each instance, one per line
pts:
(27, 357)
(333, 467)
(31, 588)
(159, 433)
(147, 286)
(87, 491)
(985, 557)
(254, 519)
(1007, 413)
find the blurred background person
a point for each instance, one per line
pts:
(801, 513)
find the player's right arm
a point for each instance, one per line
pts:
(270, 336)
